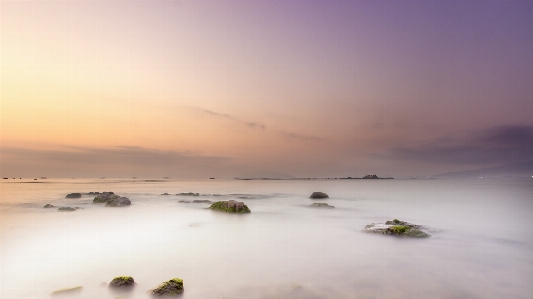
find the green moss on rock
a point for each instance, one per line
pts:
(230, 206)
(171, 287)
(399, 229)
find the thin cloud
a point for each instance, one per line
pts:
(297, 136)
(252, 125)
(496, 145)
(118, 160)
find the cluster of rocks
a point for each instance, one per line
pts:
(230, 206)
(112, 200)
(167, 288)
(397, 228)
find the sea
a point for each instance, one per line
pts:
(481, 243)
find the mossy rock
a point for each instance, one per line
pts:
(67, 291)
(105, 197)
(171, 287)
(399, 229)
(122, 281)
(230, 206)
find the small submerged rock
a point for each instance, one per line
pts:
(188, 194)
(319, 195)
(46, 206)
(67, 291)
(66, 209)
(201, 201)
(171, 287)
(122, 282)
(230, 206)
(105, 197)
(321, 205)
(73, 195)
(184, 201)
(165, 194)
(397, 228)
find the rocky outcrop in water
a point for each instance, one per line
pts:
(397, 228)
(230, 206)
(112, 200)
(73, 195)
(46, 206)
(171, 287)
(319, 195)
(122, 282)
(321, 205)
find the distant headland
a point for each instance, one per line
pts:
(366, 177)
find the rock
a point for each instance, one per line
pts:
(321, 205)
(73, 195)
(66, 209)
(171, 287)
(184, 201)
(118, 202)
(121, 282)
(188, 194)
(319, 195)
(46, 206)
(93, 193)
(230, 206)
(105, 197)
(165, 194)
(397, 228)
(67, 291)
(201, 201)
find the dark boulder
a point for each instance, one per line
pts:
(73, 195)
(319, 195)
(46, 206)
(201, 201)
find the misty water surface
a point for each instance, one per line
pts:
(481, 244)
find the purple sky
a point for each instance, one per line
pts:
(222, 88)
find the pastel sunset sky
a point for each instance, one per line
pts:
(194, 89)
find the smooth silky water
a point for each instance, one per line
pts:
(481, 244)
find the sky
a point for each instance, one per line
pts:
(197, 89)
